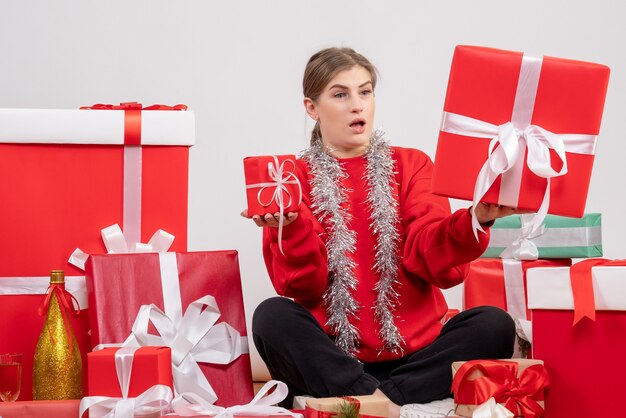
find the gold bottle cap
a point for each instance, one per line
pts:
(57, 276)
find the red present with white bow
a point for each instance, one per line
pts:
(579, 330)
(128, 382)
(271, 184)
(520, 130)
(65, 175)
(190, 302)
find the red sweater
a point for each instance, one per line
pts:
(435, 248)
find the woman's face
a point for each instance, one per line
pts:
(345, 112)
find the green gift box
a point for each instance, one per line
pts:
(559, 237)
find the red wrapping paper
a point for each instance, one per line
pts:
(482, 85)
(261, 184)
(585, 360)
(118, 284)
(38, 409)
(57, 197)
(151, 366)
(484, 284)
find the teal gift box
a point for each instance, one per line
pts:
(559, 237)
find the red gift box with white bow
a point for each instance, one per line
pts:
(65, 175)
(520, 130)
(191, 302)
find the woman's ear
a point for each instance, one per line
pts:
(309, 106)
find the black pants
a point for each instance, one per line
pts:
(298, 352)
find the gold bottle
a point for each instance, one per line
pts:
(57, 367)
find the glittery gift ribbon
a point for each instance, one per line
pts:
(155, 399)
(582, 286)
(190, 404)
(193, 337)
(491, 409)
(116, 243)
(281, 177)
(499, 380)
(509, 142)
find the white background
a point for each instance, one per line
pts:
(238, 65)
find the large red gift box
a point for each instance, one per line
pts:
(585, 360)
(119, 284)
(502, 283)
(65, 175)
(515, 98)
(270, 183)
(150, 366)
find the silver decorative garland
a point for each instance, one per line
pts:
(327, 197)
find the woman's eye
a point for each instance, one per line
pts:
(340, 95)
(366, 92)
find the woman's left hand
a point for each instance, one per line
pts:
(487, 212)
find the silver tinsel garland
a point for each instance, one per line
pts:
(327, 197)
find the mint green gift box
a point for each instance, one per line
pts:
(562, 237)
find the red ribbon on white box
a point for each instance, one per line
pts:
(189, 404)
(116, 243)
(280, 176)
(509, 142)
(156, 399)
(193, 337)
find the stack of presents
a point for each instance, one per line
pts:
(101, 192)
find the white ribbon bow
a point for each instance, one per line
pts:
(491, 409)
(190, 404)
(506, 149)
(155, 399)
(281, 177)
(116, 243)
(193, 338)
(523, 248)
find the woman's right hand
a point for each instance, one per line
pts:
(271, 220)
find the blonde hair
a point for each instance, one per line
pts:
(326, 64)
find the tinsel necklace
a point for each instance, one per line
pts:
(327, 198)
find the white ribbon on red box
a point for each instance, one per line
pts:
(193, 337)
(189, 404)
(509, 141)
(156, 399)
(116, 243)
(38, 285)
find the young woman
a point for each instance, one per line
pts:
(365, 258)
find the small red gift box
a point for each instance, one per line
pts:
(271, 183)
(150, 366)
(549, 105)
(517, 384)
(119, 284)
(368, 405)
(66, 174)
(502, 283)
(585, 360)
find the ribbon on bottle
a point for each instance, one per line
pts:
(153, 400)
(190, 404)
(194, 337)
(132, 162)
(582, 286)
(499, 380)
(510, 141)
(116, 243)
(491, 409)
(280, 177)
(68, 305)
